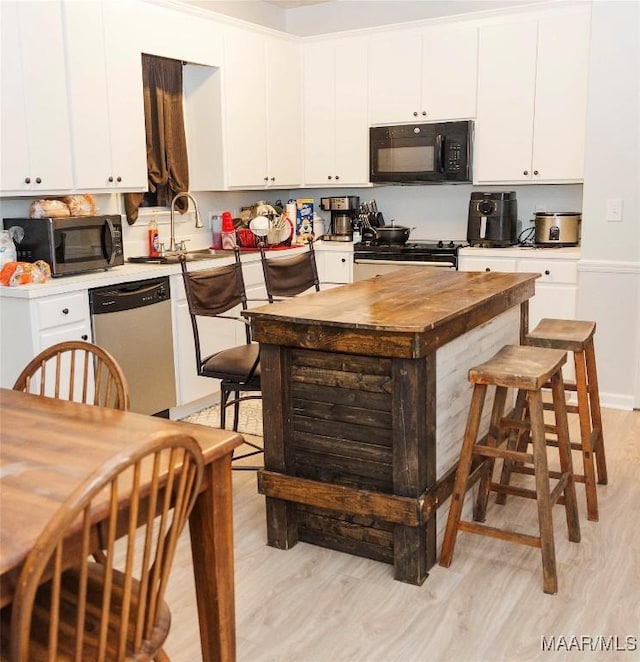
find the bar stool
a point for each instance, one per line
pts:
(526, 369)
(577, 337)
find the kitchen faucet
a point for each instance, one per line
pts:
(173, 246)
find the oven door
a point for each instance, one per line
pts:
(363, 268)
(420, 153)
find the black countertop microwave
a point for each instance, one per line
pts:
(70, 245)
(421, 153)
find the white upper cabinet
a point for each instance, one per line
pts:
(106, 99)
(532, 104)
(261, 111)
(35, 129)
(424, 76)
(336, 131)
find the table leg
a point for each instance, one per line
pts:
(211, 529)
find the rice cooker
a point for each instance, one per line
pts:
(557, 228)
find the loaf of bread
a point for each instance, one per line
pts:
(80, 205)
(48, 209)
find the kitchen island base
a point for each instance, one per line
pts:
(355, 382)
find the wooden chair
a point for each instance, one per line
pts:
(214, 293)
(576, 336)
(69, 607)
(526, 369)
(77, 371)
(289, 276)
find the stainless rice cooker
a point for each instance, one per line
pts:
(557, 228)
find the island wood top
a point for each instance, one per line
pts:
(407, 313)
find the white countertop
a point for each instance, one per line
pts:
(120, 274)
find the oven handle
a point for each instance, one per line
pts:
(405, 263)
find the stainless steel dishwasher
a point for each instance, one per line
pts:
(132, 321)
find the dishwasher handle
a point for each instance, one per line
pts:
(136, 294)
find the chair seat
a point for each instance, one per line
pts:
(570, 335)
(69, 607)
(517, 366)
(234, 363)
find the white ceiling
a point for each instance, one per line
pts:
(292, 4)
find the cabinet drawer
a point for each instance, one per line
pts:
(487, 264)
(66, 309)
(553, 271)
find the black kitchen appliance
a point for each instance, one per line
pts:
(70, 245)
(421, 153)
(442, 253)
(343, 211)
(493, 219)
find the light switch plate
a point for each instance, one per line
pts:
(614, 210)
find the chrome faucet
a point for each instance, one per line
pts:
(173, 246)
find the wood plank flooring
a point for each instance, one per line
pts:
(314, 605)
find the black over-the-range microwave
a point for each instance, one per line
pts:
(70, 245)
(421, 153)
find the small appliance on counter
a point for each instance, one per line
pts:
(493, 219)
(70, 245)
(557, 228)
(343, 211)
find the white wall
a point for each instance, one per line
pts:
(609, 274)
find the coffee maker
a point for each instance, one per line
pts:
(343, 211)
(493, 219)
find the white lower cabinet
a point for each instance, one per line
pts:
(556, 289)
(335, 266)
(30, 325)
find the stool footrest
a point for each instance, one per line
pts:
(512, 536)
(513, 490)
(491, 451)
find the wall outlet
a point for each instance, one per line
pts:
(614, 210)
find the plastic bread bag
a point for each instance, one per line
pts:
(24, 273)
(48, 209)
(80, 205)
(7, 248)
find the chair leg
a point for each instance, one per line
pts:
(515, 442)
(236, 410)
(494, 439)
(462, 474)
(224, 397)
(545, 519)
(596, 416)
(584, 416)
(566, 462)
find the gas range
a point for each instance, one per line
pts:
(444, 252)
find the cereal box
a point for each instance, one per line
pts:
(304, 220)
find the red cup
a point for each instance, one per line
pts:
(227, 222)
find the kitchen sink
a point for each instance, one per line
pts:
(190, 256)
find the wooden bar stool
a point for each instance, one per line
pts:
(577, 337)
(526, 369)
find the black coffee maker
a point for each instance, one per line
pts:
(493, 219)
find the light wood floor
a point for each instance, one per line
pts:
(314, 605)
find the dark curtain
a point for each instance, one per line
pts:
(167, 164)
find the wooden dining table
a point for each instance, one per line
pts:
(49, 446)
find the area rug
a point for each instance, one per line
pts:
(250, 421)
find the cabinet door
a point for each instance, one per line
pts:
(449, 73)
(394, 84)
(334, 267)
(245, 111)
(561, 98)
(284, 113)
(125, 96)
(506, 87)
(351, 125)
(319, 104)
(35, 116)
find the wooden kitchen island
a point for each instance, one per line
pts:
(364, 386)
